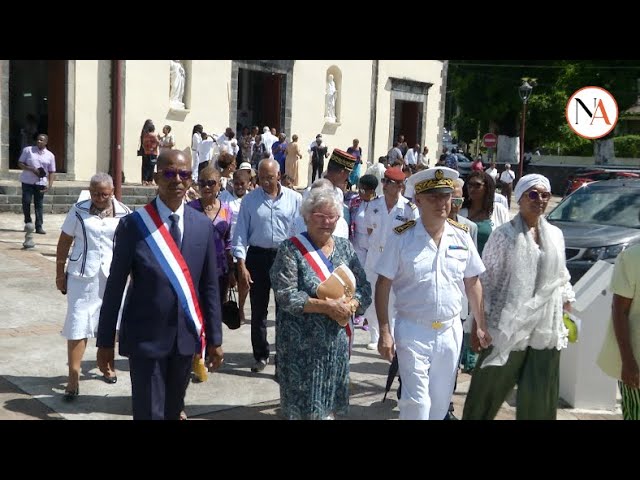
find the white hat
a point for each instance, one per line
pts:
(432, 180)
(244, 166)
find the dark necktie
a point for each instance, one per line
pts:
(174, 230)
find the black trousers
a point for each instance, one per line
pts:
(317, 167)
(28, 192)
(148, 165)
(158, 386)
(259, 262)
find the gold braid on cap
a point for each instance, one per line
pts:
(343, 159)
(433, 183)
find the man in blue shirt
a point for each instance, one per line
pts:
(265, 216)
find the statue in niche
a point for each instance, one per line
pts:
(331, 96)
(177, 82)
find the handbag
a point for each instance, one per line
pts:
(230, 311)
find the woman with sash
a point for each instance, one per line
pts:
(526, 288)
(311, 339)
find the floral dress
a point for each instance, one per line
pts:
(312, 349)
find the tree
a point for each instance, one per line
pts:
(486, 92)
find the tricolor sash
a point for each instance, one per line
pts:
(172, 262)
(312, 254)
(321, 265)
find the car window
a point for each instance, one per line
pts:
(620, 207)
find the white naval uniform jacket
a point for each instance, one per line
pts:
(382, 223)
(428, 278)
(93, 239)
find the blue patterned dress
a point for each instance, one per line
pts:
(312, 349)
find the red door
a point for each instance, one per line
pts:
(271, 100)
(56, 112)
(410, 120)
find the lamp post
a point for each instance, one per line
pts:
(525, 92)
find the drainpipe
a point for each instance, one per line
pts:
(374, 109)
(116, 126)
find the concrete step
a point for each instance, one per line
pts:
(65, 193)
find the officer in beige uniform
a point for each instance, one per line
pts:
(383, 215)
(428, 262)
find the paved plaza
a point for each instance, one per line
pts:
(33, 363)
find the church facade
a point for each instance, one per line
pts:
(75, 102)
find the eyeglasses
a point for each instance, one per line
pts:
(457, 201)
(322, 217)
(170, 173)
(535, 195)
(100, 194)
(475, 184)
(207, 183)
(388, 181)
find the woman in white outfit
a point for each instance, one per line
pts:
(196, 140)
(90, 226)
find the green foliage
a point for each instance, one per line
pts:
(627, 146)
(487, 91)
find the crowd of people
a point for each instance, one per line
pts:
(433, 266)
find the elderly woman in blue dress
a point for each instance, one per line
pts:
(311, 341)
(90, 226)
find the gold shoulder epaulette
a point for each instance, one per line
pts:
(404, 227)
(461, 226)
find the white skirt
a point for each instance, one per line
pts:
(84, 299)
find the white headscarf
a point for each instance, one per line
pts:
(531, 180)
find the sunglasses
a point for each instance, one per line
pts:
(475, 184)
(207, 183)
(170, 173)
(535, 195)
(457, 201)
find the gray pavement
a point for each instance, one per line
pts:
(33, 363)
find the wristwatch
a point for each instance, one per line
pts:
(354, 306)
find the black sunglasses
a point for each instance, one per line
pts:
(535, 195)
(207, 183)
(170, 173)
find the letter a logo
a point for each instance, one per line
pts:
(592, 112)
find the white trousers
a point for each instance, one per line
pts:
(427, 361)
(371, 315)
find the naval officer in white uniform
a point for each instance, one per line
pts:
(383, 215)
(427, 262)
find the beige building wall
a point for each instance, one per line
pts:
(147, 96)
(428, 71)
(353, 81)
(207, 99)
(92, 126)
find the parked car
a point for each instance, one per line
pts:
(598, 220)
(588, 175)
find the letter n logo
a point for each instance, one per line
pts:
(592, 112)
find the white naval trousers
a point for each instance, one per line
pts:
(371, 315)
(427, 363)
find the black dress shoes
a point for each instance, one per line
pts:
(111, 380)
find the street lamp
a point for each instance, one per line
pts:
(525, 92)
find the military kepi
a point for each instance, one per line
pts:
(434, 180)
(343, 159)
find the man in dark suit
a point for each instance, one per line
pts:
(166, 306)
